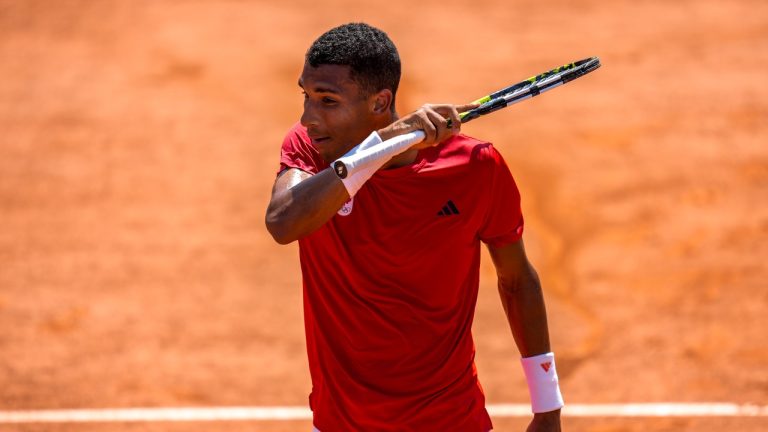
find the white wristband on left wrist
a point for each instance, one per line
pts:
(543, 384)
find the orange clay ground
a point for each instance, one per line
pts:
(139, 142)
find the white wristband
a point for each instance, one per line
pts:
(541, 374)
(355, 181)
(373, 157)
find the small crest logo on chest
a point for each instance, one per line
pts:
(346, 209)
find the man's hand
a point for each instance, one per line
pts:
(545, 422)
(432, 119)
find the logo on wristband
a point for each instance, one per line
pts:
(546, 366)
(346, 209)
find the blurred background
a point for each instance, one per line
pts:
(139, 141)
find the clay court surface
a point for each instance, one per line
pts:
(139, 142)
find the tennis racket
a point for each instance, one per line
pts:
(503, 98)
(529, 88)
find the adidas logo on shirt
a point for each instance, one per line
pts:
(449, 209)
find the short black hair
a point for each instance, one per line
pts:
(368, 51)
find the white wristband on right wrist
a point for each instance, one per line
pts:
(543, 385)
(355, 181)
(360, 163)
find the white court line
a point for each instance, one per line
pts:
(300, 413)
(640, 410)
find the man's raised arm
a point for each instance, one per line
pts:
(302, 202)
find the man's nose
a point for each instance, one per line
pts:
(309, 116)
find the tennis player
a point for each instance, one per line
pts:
(390, 254)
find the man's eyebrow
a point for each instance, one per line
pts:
(320, 89)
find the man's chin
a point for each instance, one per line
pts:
(325, 148)
(329, 151)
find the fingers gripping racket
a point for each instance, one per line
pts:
(505, 97)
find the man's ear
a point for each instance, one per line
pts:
(382, 101)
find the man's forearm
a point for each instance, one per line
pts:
(523, 302)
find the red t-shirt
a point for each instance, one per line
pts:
(390, 287)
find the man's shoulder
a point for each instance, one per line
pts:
(468, 150)
(298, 152)
(297, 130)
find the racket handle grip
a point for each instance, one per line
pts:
(379, 153)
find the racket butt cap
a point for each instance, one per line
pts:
(340, 169)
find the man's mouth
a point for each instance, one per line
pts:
(319, 139)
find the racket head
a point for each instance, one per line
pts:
(530, 87)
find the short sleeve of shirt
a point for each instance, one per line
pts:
(503, 222)
(298, 152)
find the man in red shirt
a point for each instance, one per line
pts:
(390, 253)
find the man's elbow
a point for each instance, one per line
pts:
(525, 279)
(279, 229)
(282, 238)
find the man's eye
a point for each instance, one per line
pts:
(327, 100)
